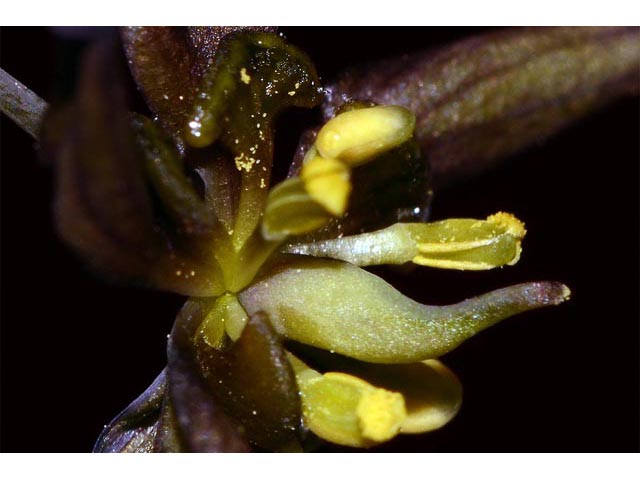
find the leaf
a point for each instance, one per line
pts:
(339, 307)
(489, 96)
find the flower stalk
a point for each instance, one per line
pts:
(21, 105)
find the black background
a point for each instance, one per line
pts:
(76, 351)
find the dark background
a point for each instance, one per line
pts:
(75, 351)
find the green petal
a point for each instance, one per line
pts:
(339, 307)
(393, 246)
(432, 393)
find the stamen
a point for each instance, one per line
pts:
(358, 135)
(327, 182)
(347, 410)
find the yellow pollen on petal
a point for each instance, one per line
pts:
(244, 162)
(244, 76)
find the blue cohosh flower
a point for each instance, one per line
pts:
(284, 333)
(313, 291)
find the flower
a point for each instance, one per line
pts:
(264, 263)
(282, 262)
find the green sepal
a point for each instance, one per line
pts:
(339, 307)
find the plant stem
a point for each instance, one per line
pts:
(20, 104)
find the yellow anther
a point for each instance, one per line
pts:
(327, 182)
(508, 222)
(358, 135)
(380, 414)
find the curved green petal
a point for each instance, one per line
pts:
(393, 245)
(339, 307)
